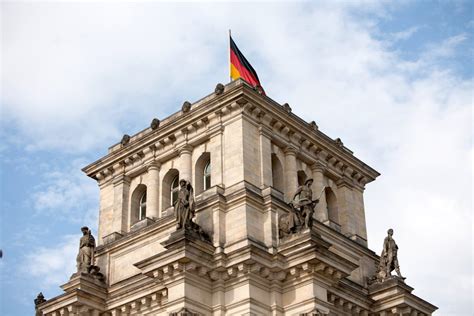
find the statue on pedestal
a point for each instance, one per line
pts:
(388, 259)
(301, 210)
(85, 257)
(184, 211)
(39, 300)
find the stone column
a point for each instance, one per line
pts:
(185, 162)
(291, 178)
(121, 191)
(152, 207)
(321, 211)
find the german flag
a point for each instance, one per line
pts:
(241, 68)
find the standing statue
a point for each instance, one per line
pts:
(85, 257)
(184, 211)
(38, 301)
(184, 205)
(388, 259)
(303, 201)
(301, 211)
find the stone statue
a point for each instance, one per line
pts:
(184, 205)
(85, 257)
(301, 211)
(303, 201)
(388, 259)
(39, 300)
(184, 211)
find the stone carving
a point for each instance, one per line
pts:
(186, 107)
(287, 107)
(184, 209)
(155, 123)
(315, 312)
(39, 300)
(301, 211)
(388, 260)
(85, 257)
(339, 142)
(219, 89)
(125, 140)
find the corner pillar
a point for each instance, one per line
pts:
(121, 192)
(345, 204)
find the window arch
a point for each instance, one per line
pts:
(331, 202)
(170, 182)
(138, 204)
(277, 174)
(202, 176)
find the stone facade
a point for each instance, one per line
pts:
(245, 155)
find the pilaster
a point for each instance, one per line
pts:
(121, 196)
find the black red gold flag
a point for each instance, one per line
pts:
(241, 68)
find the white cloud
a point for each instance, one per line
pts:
(405, 34)
(52, 266)
(67, 194)
(86, 72)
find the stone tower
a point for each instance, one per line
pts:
(245, 156)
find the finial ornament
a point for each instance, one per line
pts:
(186, 107)
(219, 89)
(125, 140)
(155, 123)
(287, 108)
(388, 260)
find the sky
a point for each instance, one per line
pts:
(393, 80)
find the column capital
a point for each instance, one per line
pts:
(290, 150)
(121, 179)
(318, 166)
(186, 149)
(345, 182)
(154, 165)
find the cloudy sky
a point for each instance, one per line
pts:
(394, 80)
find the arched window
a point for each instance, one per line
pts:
(207, 176)
(331, 202)
(277, 174)
(138, 204)
(174, 190)
(142, 207)
(202, 173)
(170, 185)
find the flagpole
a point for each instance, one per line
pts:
(230, 64)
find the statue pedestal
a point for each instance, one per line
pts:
(84, 295)
(393, 296)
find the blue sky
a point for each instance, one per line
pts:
(392, 79)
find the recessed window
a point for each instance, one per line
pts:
(142, 207)
(174, 190)
(207, 176)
